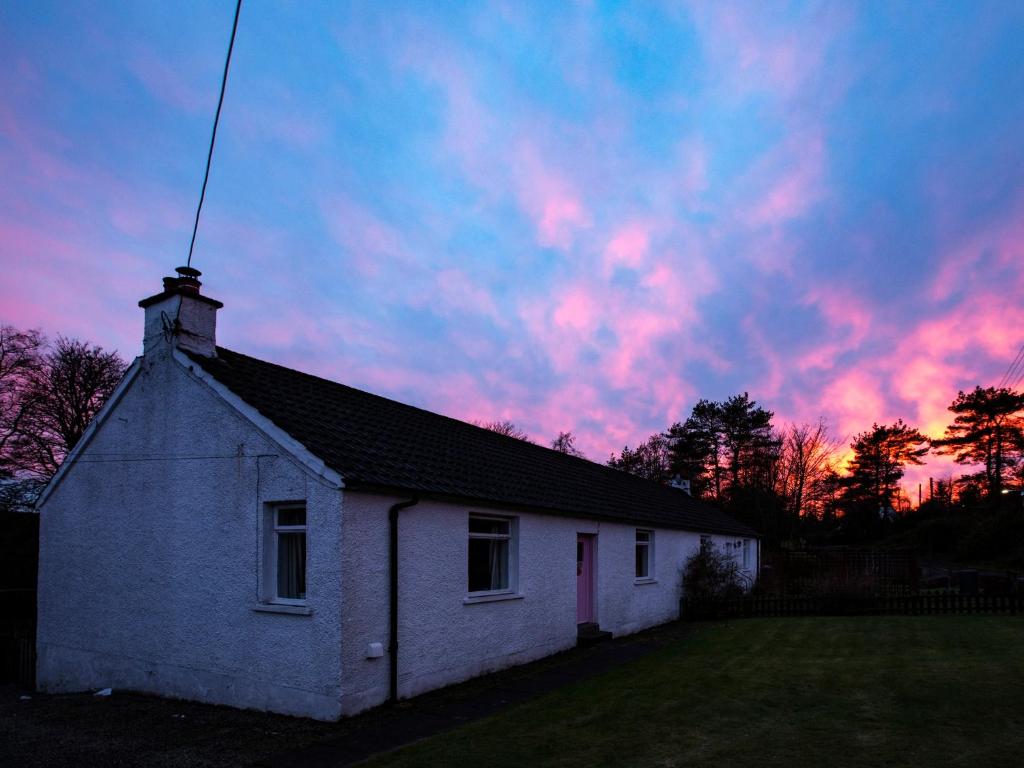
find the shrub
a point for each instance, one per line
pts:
(711, 574)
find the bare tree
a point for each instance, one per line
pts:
(20, 360)
(62, 395)
(566, 443)
(809, 458)
(505, 427)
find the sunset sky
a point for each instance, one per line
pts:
(577, 216)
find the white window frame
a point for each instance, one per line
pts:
(271, 564)
(512, 537)
(649, 576)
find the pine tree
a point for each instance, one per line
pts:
(987, 431)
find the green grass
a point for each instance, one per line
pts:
(914, 691)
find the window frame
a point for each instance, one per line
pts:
(512, 565)
(649, 544)
(274, 529)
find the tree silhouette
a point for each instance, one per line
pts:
(20, 361)
(809, 458)
(987, 430)
(879, 456)
(749, 442)
(505, 427)
(695, 449)
(62, 395)
(649, 459)
(566, 443)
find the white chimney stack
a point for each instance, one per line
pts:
(181, 316)
(681, 484)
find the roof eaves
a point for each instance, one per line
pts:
(659, 522)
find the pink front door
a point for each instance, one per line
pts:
(584, 579)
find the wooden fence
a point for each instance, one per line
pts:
(852, 605)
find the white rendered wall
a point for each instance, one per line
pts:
(446, 637)
(149, 559)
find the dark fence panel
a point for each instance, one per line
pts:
(851, 605)
(825, 570)
(18, 637)
(19, 558)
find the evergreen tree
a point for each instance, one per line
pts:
(695, 450)
(880, 454)
(987, 431)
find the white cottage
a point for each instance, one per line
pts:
(236, 532)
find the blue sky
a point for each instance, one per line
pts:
(576, 216)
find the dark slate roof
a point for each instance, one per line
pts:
(380, 444)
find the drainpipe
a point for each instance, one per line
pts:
(393, 613)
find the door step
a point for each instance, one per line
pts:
(590, 633)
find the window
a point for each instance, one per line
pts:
(644, 547)
(746, 554)
(491, 544)
(287, 549)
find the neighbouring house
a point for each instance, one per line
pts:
(233, 531)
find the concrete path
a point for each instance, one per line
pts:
(388, 728)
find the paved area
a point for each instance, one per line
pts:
(389, 728)
(130, 729)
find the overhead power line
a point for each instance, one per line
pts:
(213, 137)
(1017, 381)
(1016, 366)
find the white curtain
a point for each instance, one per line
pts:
(291, 566)
(499, 564)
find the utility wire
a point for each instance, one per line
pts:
(1012, 370)
(213, 138)
(1009, 371)
(1017, 381)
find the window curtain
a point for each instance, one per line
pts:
(499, 564)
(291, 566)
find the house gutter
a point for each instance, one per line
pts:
(393, 590)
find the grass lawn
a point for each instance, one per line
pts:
(915, 691)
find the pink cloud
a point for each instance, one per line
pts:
(549, 198)
(1003, 239)
(628, 247)
(789, 180)
(577, 309)
(848, 320)
(852, 400)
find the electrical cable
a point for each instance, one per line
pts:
(213, 137)
(1016, 382)
(1012, 370)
